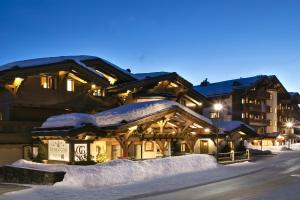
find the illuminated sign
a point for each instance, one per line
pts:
(80, 152)
(58, 150)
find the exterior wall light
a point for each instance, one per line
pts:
(218, 107)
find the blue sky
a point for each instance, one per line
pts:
(216, 39)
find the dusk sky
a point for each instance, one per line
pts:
(216, 39)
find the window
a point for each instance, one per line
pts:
(97, 92)
(214, 115)
(48, 82)
(70, 85)
(182, 147)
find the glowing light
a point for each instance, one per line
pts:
(207, 130)
(93, 86)
(218, 106)
(18, 81)
(289, 124)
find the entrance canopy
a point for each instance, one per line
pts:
(155, 120)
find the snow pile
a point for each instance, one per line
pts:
(295, 146)
(119, 172)
(273, 148)
(116, 116)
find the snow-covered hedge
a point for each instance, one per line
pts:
(124, 171)
(276, 148)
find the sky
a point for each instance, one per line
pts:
(198, 39)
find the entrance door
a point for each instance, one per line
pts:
(138, 151)
(204, 146)
(114, 152)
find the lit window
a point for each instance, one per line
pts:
(48, 82)
(214, 115)
(70, 85)
(182, 147)
(243, 115)
(97, 92)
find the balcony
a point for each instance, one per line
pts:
(257, 122)
(259, 95)
(257, 108)
(17, 126)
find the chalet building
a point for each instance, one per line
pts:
(138, 131)
(34, 90)
(261, 102)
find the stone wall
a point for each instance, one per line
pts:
(10, 174)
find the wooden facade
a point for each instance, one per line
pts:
(33, 90)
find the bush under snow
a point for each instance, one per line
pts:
(280, 148)
(119, 172)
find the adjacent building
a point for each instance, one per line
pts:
(261, 102)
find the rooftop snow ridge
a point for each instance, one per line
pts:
(227, 87)
(141, 76)
(45, 61)
(79, 59)
(115, 116)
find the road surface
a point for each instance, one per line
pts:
(4, 188)
(279, 181)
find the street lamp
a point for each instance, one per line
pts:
(289, 126)
(218, 107)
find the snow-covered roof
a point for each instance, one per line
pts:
(227, 87)
(45, 61)
(141, 76)
(79, 59)
(229, 126)
(116, 116)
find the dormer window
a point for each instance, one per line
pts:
(70, 85)
(48, 82)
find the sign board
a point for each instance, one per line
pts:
(58, 150)
(80, 152)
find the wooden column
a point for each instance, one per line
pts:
(162, 146)
(124, 143)
(71, 152)
(190, 142)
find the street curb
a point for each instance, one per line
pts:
(188, 187)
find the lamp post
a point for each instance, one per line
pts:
(289, 126)
(218, 107)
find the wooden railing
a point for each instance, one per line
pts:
(233, 157)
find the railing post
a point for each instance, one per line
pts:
(248, 154)
(232, 155)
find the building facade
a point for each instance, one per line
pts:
(261, 102)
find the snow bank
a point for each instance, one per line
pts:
(276, 148)
(115, 116)
(119, 172)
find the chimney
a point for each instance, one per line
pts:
(204, 83)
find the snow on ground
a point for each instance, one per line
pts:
(155, 184)
(275, 149)
(115, 116)
(124, 171)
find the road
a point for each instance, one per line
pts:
(4, 188)
(277, 181)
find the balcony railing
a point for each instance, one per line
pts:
(17, 126)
